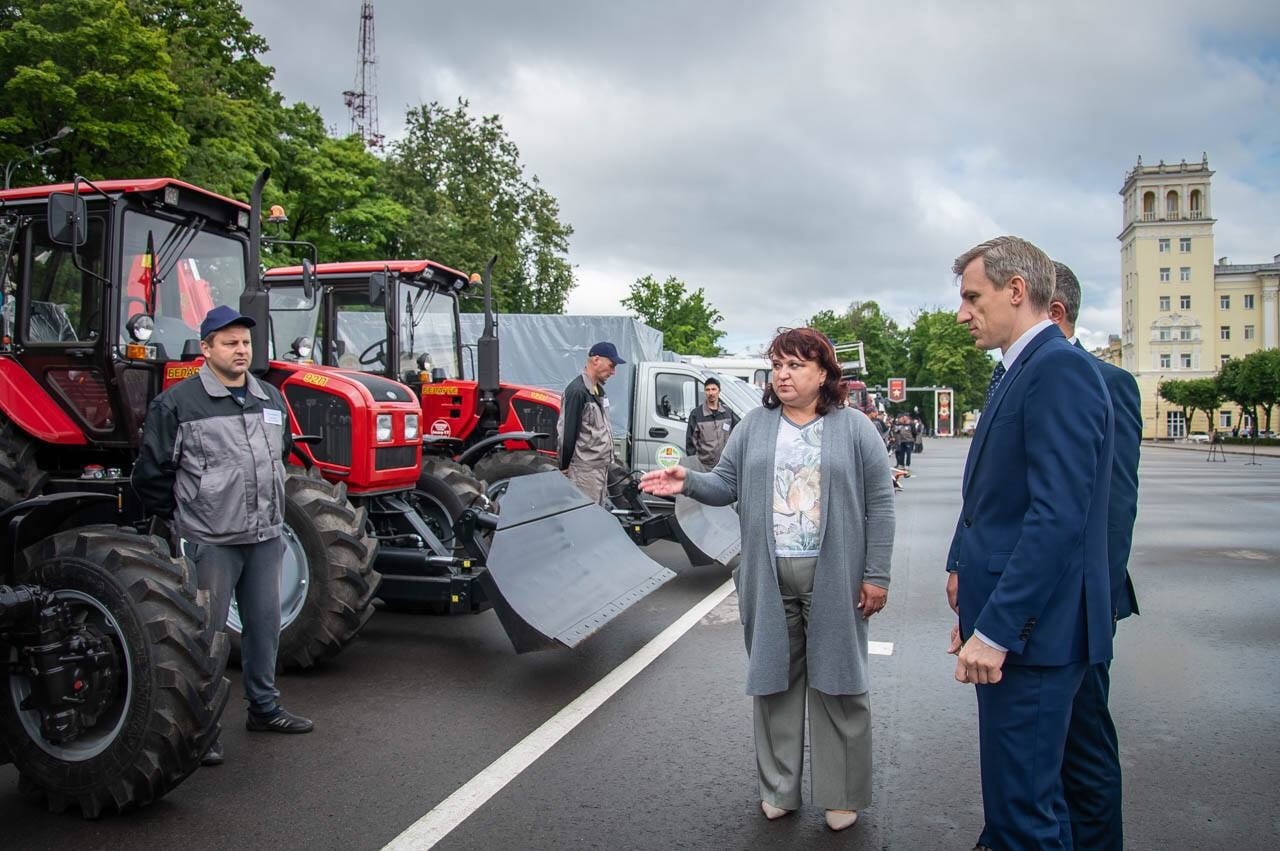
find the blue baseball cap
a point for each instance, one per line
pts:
(606, 350)
(220, 317)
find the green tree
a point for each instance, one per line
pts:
(940, 352)
(883, 342)
(468, 198)
(93, 66)
(1261, 375)
(329, 189)
(1202, 394)
(1176, 392)
(687, 320)
(228, 108)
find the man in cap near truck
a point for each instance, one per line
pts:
(212, 466)
(586, 436)
(709, 427)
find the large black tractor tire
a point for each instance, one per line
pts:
(446, 489)
(328, 578)
(500, 466)
(171, 689)
(19, 476)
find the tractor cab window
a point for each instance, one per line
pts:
(62, 305)
(676, 395)
(360, 333)
(295, 327)
(428, 336)
(177, 271)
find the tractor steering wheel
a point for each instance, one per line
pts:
(375, 353)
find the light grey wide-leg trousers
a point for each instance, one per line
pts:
(839, 725)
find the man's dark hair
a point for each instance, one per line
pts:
(1066, 290)
(710, 381)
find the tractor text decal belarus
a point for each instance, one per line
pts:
(178, 372)
(437, 391)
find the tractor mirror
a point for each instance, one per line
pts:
(308, 279)
(68, 219)
(191, 349)
(438, 375)
(378, 288)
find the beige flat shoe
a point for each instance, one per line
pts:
(841, 819)
(771, 812)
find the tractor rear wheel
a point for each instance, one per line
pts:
(164, 674)
(19, 476)
(496, 468)
(446, 489)
(327, 580)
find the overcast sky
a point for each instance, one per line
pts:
(793, 156)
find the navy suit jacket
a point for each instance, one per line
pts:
(1126, 402)
(1030, 546)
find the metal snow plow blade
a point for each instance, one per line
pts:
(710, 531)
(560, 567)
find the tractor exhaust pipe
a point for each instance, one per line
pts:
(253, 301)
(487, 376)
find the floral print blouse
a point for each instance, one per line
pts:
(797, 509)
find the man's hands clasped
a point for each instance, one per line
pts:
(977, 661)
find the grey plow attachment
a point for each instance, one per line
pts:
(710, 531)
(560, 567)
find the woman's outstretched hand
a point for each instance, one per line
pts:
(668, 482)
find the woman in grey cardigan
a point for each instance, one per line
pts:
(815, 503)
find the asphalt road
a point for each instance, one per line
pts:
(421, 704)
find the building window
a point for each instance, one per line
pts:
(1184, 274)
(1164, 246)
(1164, 302)
(1184, 302)
(1184, 333)
(1185, 359)
(1164, 274)
(1248, 332)
(1224, 419)
(1224, 302)
(1248, 302)
(1223, 359)
(1175, 424)
(1197, 210)
(1171, 205)
(1224, 332)
(1184, 245)
(1149, 207)
(1166, 361)
(1163, 334)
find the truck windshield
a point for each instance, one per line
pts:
(179, 269)
(738, 394)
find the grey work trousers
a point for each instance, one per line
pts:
(252, 573)
(592, 479)
(839, 724)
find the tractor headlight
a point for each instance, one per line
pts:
(140, 327)
(382, 428)
(411, 427)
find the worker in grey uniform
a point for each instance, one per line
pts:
(709, 427)
(212, 465)
(586, 437)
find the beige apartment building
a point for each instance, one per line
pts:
(1183, 311)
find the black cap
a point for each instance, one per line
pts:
(220, 317)
(606, 350)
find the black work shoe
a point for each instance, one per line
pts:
(282, 721)
(214, 755)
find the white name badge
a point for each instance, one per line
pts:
(272, 416)
(605, 402)
(725, 426)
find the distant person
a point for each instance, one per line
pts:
(811, 481)
(211, 465)
(709, 427)
(1027, 567)
(586, 435)
(904, 442)
(1091, 764)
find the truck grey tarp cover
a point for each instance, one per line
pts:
(549, 350)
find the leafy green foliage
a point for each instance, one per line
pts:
(941, 353)
(467, 195)
(1253, 383)
(93, 66)
(687, 320)
(884, 343)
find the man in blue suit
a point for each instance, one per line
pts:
(1091, 764)
(1028, 560)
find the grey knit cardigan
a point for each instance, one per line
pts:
(856, 546)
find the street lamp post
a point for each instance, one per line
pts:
(38, 150)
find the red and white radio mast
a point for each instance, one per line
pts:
(362, 100)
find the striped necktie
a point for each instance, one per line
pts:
(996, 375)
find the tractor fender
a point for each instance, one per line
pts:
(481, 448)
(31, 409)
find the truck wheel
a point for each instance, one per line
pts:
(168, 689)
(496, 468)
(327, 579)
(20, 477)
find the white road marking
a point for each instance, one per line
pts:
(455, 809)
(880, 648)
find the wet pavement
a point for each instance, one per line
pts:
(421, 704)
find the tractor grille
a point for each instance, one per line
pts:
(324, 414)
(390, 457)
(537, 417)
